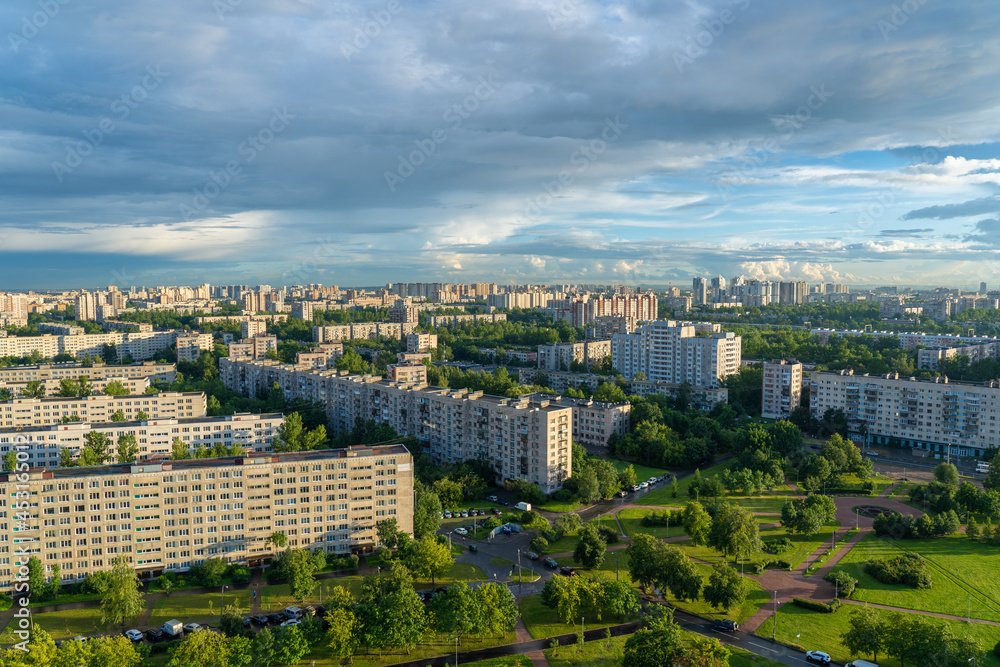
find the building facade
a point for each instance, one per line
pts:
(934, 415)
(669, 351)
(99, 371)
(190, 346)
(782, 388)
(100, 408)
(518, 439)
(169, 516)
(559, 356)
(421, 342)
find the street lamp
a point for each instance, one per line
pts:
(774, 623)
(222, 601)
(456, 651)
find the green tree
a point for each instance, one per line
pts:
(946, 473)
(426, 558)
(277, 539)
(591, 548)
(643, 554)
(141, 416)
(116, 388)
(34, 389)
(10, 461)
(387, 531)
(627, 477)
(620, 599)
(455, 612)
(300, 568)
(992, 479)
(66, 459)
(85, 386)
(231, 622)
(123, 600)
(128, 450)
(112, 652)
(68, 388)
(179, 450)
(289, 645)
(343, 634)
(735, 531)
(118, 416)
(568, 524)
(391, 613)
(36, 575)
(697, 523)
(427, 512)
(867, 632)
(808, 515)
(498, 609)
(201, 649)
(676, 573)
(96, 449)
(726, 588)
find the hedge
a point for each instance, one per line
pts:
(813, 605)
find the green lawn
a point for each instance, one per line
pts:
(802, 545)
(822, 631)
(197, 607)
(960, 568)
(560, 507)
(741, 658)
(662, 495)
(63, 599)
(72, 622)
(433, 646)
(642, 473)
(279, 596)
(631, 521)
(562, 545)
(509, 661)
(544, 622)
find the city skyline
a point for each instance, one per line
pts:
(631, 143)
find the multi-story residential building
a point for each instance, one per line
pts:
(520, 441)
(169, 516)
(699, 291)
(606, 326)
(559, 356)
(302, 310)
(434, 321)
(120, 325)
(421, 342)
(583, 310)
(52, 387)
(928, 359)
(363, 331)
(252, 329)
(681, 303)
(61, 329)
(935, 415)
(793, 293)
(86, 306)
(98, 371)
(702, 398)
(14, 309)
(253, 348)
(407, 372)
(100, 408)
(593, 421)
(502, 356)
(782, 388)
(909, 341)
(154, 437)
(670, 351)
(139, 345)
(403, 312)
(190, 346)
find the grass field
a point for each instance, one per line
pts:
(631, 521)
(560, 507)
(822, 631)
(73, 622)
(433, 646)
(544, 622)
(802, 545)
(662, 495)
(642, 473)
(196, 607)
(961, 569)
(509, 661)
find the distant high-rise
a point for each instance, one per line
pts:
(700, 291)
(982, 288)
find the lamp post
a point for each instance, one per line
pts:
(774, 622)
(222, 601)
(456, 651)
(968, 615)
(616, 565)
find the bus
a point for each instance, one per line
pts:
(983, 467)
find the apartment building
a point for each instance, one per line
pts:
(582, 311)
(593, 421)
(190, 346)
(168, 516)
(52, 387)
(154, 437)
(782, 388)
(606, 326)
(520, 440)
(929, 358)
(911, 341)
(253, 348)
(670, 351)
(403, 312)
(99, 371)
(362, 331)
(302, 310)
(99, 408)
(559, 356)
(252, 329)
(421, 342)
(702, 398)
(407, 372)
(119, 325)
(434, 321)
(137, 345)
(61, 329)
(933, 415)
(699, 291)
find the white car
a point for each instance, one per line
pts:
(447, 514)
(461, 531)
(192, 627)
(292, 621)
(134, 635)
(652, 480)
(644, 485)
(635, 487)
(464, 514)
(818, 657)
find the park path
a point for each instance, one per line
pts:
(923, 613)
(536, 655)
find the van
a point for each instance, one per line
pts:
(524, 507)
(861, 663)
(173, 628)
(293, 613)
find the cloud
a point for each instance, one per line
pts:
(963, 210)
(905, 233)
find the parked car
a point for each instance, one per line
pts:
(447, 514)
(725, 625)
(644, 485)
(292, 621)
(155, 635)
(531, 555)
(567, 570)
(652, 480)
(259, 619)
(492, 499)
(872, 453)
(505, 503)
(461, 531)
(246, 621)
(621, 494)
(134, 635)
(497, 511)
(635, 487)
(550, 563)
(276, 618)
(819, 657)
(192, 627)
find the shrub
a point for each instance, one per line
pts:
(996, 650)
(609, 534)
(847, 583)
(813, 605)
(835, 605)
(659, 519)
(240, 574)
(777, 545)
(539, 544)
(909, 569)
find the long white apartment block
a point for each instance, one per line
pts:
(98, 371)
(100, 408)
(933, 415)
(138, 345)
(52, 386)
(782, 388)
(168, 516)
(154, 437)
(521, 440)
(670, 351)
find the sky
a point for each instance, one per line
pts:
(542, 141)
